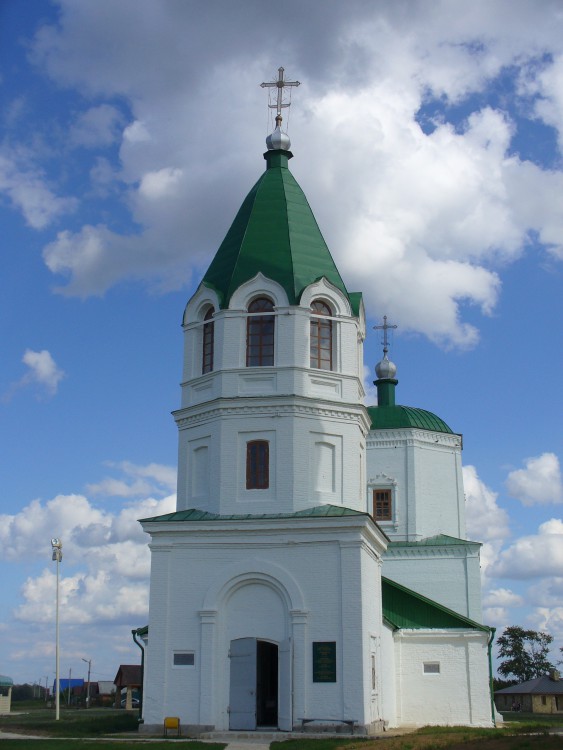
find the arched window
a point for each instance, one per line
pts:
(207, 343)
(321, 336)
(257, 465)
(260, 333)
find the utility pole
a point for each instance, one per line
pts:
(89, 663)
(57, 546)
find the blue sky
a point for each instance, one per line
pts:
(428, 141)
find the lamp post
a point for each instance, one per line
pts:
(89, 663)
(57, 546)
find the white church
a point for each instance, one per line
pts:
(316, 574)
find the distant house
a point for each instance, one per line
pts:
(544, 695)
(106, 688)
(129, 678)
(6, 684)
(76, 685)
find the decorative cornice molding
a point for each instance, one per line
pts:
(445, 551)
(411, 436)
(383, 480)
(267, 409)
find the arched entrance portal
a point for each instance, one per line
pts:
(259, 684)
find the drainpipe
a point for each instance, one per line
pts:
(491, 686)
(140, 645)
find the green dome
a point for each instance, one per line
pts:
(397, 417)
(274, 233)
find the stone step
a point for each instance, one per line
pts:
(261, 737)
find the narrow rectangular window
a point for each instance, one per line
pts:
(257, 465)
(382, 506)
(208, 342)
(431, 667)
(321, 337)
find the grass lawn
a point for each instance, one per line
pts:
(84, 744)
(72, 723)
(513, 737)
(78, 728)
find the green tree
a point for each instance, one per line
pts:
(524, 653)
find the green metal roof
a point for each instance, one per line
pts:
(319, 511)
(440, 540)
(404, 608)
(395, 417)
(274, 233)
(5, 681)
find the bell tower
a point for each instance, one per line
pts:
(272, 419)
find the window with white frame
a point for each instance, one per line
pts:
(321, 336)
(382, 504)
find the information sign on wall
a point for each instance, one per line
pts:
(324, 661)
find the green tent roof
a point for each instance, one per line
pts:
(274, 233)
(394, 417)
(403, 608)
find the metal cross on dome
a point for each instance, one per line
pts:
(385, 327)
(280, 84)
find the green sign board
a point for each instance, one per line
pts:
(324, 661)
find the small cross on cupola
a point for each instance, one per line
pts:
(385, 370)
(279, 140)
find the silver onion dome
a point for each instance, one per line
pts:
(278, 140)
(385, 370)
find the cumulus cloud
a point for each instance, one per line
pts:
(42, 372)
(533, 556)
(539, 482)
(486, 521)
(422, 219)
(104, 573)
(140, 480)
(97, 126)
(502, 598)
(26, 188)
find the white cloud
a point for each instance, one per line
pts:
(42, 371)
(160, 184)
(98, 126)
(502, 598)
(534, 556)
(141, 480)
(539, 482)
(28, 191)
(486, 521)
(422, 222)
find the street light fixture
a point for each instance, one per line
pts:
(57, 546)
(89, 663)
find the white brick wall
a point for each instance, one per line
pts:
(284, 579)
(458, 694)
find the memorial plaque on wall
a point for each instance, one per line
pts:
(324, 661)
